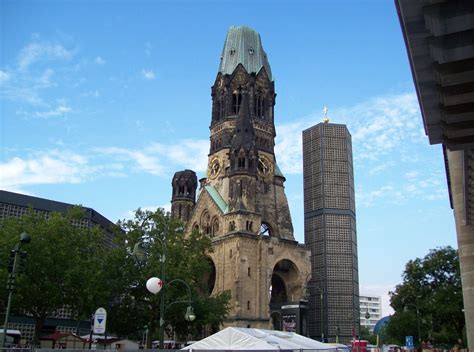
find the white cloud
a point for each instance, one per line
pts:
(130, 214)
(411, 174)
(288, 146)
(143, 161)
(378, 126)
(387, 137)
(44, 168)
(4, 76)
(41, 51)
(60, 110)
(99, 60)
(148, 75)
(369, 198)
(377, 169)
(157, 158)
(31, 74)
(91, 93)
(190, 154)
(148, 49)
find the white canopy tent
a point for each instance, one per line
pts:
(258, 339)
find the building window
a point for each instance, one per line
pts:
(259, 108)
(248, 271)
(249, 225)
(236, 101)
(248, 305)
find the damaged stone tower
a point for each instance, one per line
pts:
(242, 204)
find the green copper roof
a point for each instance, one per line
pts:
(216, 197)
(243, 46)
(278, 171)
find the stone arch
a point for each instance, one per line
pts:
(215, 226)
(209, 279)
(205, 222)
(285, 282)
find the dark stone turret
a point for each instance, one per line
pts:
(184, 185)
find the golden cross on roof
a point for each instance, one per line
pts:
(326, 118)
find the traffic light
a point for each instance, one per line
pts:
(11, 261)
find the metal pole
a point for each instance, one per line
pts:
(12, 276)
(418, 324)
(91, 331)
(162, 298)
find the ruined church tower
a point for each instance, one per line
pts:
(241, 203)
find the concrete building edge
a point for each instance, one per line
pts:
(465, 238)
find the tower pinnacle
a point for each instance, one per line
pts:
(243, 46)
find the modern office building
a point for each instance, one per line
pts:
(370, 311)
(17, 205)
(330, 231)
(439, 37)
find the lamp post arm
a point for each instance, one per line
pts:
(185, 284)
(162, 320)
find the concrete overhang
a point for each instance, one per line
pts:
(439, 37)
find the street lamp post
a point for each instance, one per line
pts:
(24, 239)
(321, 298)
(417, 317)
(140, 254)
(189, 315)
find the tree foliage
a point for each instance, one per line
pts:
(186, 259)
(69, 265)
(62, 266)
(430, 297)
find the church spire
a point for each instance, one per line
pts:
(244, 46)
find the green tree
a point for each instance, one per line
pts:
(430, 298)
(63, 265)
(365, 334)
(186, 259)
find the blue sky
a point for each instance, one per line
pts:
(102, 101)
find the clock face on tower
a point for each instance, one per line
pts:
(214, 168)
(265, 166)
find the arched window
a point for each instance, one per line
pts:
(222, 108)
(259, 105)
(249, 225)
(206, 223)
(215, 227)
(217, 112)
(236, 100)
